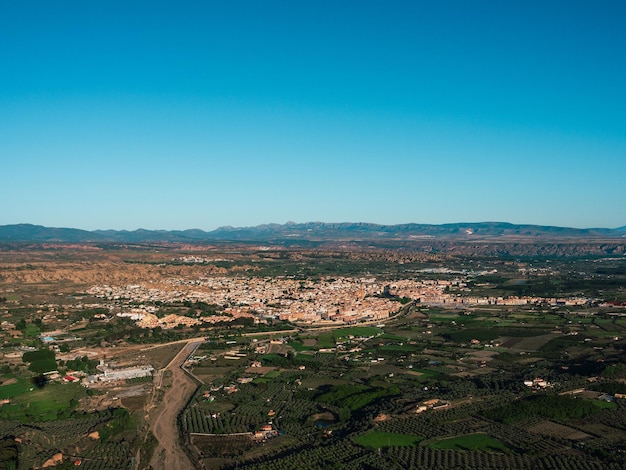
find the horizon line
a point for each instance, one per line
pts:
(292, 223)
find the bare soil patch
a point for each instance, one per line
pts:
(95, 403)
(384, 369)
(178, 388)
(412, 372)
(135, 391)
(534, 343)
(136, 403)
(416, 315)
(552, 429)
(326, 415)
(511, 342)
(208, 374)
(8, 382)
(603, 430)
(279, 348)
(159, 357)
(484, 354)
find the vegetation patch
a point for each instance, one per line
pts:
(379, 439)
(477, 441)
(9, 453)
(273, 360)
(326, 340)
(552, 429)
(16, 388)
(558, 407)
(603, 405)
(424, 373)
(357, 332)
(615, 371)
(465, 336)
(560, 344)
(341, 392)
(354, 397)
(299, 346)
(82, 364)
(53, 401)
(392, 337)
(41, 361)
(227, 446)
(31, 331)
(534, 343)
(391, 348)
(606, 387)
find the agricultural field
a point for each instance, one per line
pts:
(378, 439)
(362, 408)
(30, 402)
(476, 442)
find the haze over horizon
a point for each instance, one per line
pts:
(206, 114)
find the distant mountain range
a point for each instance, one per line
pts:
(310, 231)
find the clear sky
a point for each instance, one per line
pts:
(176, 115)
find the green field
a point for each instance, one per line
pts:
(31, 331)
(356, 331)
(407, 348)
(378, 439)
(299, 347)
(478, 441)
(326, 340)
(393, 337)
(13, 390)
(42, 404)
(604, 405)
(445, 317)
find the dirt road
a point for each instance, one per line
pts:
(178, 387)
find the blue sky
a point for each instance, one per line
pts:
(175, 115)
